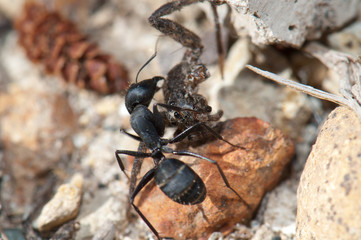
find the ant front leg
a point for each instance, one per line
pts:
(131, 135)
(187, 153)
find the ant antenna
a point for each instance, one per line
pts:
(149, 60)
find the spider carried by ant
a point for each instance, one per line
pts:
(175, 178)
(186, 108)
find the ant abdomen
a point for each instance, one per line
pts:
(179, 182)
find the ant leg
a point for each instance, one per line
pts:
(184, 134)
(131, 153)
(196, 127)
(214, 133)
(187, 153)
(144, 181)
(172, 29)
(131, 135)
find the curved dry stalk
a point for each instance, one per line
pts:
(307, 89)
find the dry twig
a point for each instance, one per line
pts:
(347, 68)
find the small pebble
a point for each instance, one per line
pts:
(63, 207)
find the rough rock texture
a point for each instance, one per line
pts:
(111, 211)
(63, 206)
(347, 40)
(251, 172)
(291, 22)
(329, 192)
(280, 213)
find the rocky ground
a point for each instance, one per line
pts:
(59, 178)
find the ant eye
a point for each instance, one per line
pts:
(208, 109)
(177, 115)
(172, 103)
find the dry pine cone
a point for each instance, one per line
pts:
(56, 43)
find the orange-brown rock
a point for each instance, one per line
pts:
(251, 172)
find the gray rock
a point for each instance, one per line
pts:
(291, 22)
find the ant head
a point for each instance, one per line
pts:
(141, 93)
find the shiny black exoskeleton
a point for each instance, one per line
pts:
(176, 179)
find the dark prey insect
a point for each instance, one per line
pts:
(176, 179)
(185, 107)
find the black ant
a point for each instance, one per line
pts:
(185, 107)
(176, 179)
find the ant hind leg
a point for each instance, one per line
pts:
(143, 182)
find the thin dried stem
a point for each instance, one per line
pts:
(306, 89)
